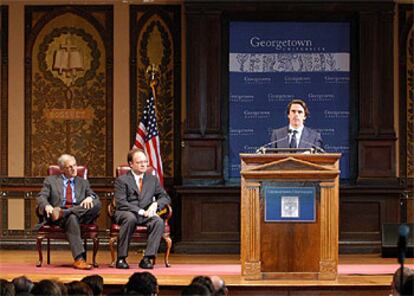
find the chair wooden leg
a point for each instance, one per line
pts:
(39, 250)
(112, 242)
(168, 242)
(95, 251)
(48, 250)
(85, 247)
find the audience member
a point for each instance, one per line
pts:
(408, 287)
(204, 281)
(24, 294)
(22, 284)
(79, 288)
(63, 288)
(220, 288)
(196, 289)
(142, 283)
(95, 282)
(6, 288)
(47, 287)
(396, 280)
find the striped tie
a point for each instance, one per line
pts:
(68, 203)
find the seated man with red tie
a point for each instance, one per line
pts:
(68, 200)
(138, 196)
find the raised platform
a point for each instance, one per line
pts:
(358, 274)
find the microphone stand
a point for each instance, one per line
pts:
(402, 245)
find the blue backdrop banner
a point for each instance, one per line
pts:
(270, 63)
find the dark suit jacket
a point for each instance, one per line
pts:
(52, 191)
(129, 198)
(309, 139)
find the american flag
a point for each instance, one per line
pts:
(147, 138)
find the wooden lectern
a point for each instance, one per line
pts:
(289, 248)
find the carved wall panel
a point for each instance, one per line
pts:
(376, 127)
(203, 128)
(4, 29)
(362, 213)
(377, 158)
(68, 82)
(406, 33)
(155, 40)
(204, 159)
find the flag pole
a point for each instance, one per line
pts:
(151, 141)
(153, 73)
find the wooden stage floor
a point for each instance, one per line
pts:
(365, 281)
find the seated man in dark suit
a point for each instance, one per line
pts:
(138, 197)
(68, 200)
(296, 135)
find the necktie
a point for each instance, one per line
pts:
(68, 203)
(293, 141)
(140, 183)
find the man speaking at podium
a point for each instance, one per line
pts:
(296, 135)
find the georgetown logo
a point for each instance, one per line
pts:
(336, 80)
(241, 131)
(326, 131)
(279, 98)
(321, 97)
(297, 80)
(241, 98)
(256, 114)
(280, 45)
(337, 148)
(257, 80)
(336, 114)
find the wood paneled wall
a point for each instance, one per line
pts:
(4, 19)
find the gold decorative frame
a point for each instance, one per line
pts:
(406, 35)
(68, 82)
(4, 65)
(155, 40)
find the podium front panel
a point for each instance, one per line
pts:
(289, 245)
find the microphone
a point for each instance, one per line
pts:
(313, 146)
(402, 242)
(260, 149)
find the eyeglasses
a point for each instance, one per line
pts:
(142, 162)
(70, 166)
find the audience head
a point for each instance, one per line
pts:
(141, 283)
(46, 287)
(396, 280)
(204, 281)
(63, 288)
(22, 284)
(196, 289)
(408, 287)
(79, 288)
(220, 288)
(6, 288)
(95, 282)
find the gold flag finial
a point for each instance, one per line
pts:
(153, 73)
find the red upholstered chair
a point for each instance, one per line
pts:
(50, 231)
(140, 233)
